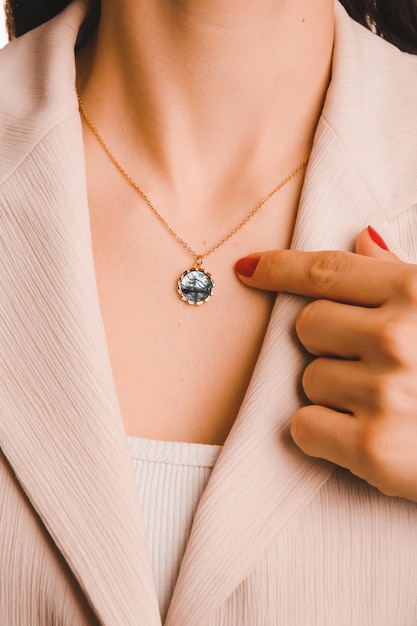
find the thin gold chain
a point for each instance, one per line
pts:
(236, 229)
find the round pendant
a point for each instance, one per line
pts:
(195, 286)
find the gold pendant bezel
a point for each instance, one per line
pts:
(190, 300)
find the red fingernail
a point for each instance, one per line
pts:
(247, 266)
(376, 237)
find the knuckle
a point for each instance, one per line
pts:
(381, 395)
(378, 454)
(276, 263)
(407, 285)
(389, 394)
(372, 445)
(383, 457)
(327, 269)
(391, 338)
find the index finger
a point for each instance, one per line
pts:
(330, 274)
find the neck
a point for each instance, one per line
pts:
(204, 89)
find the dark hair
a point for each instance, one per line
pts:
(394, 20)
(24, 15)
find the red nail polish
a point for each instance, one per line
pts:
(376, 237)
(247, 266)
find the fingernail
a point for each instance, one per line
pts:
(247, 266)
(376, 237)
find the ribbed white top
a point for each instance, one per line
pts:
(171, 477)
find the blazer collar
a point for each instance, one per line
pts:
(60, 406)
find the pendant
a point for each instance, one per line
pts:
(196, 286)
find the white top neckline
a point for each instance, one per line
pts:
(174, 452)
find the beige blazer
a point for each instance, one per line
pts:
(278, 538)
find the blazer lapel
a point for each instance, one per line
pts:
(60, 426)
(261, 480)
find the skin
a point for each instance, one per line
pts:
(362, 385)
(201, 90)
(208, 105)
(231, 79)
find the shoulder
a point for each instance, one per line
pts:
(371, 55)
(370, 109)
(37, 78)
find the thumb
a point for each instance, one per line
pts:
(370, 243)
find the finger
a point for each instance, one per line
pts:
(327, 434)
(378, 455)
(338, 384)
(370, 243)
(332, 275)
(332, 329)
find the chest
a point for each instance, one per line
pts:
(181, 371)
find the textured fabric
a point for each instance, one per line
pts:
(277, 538)
(171, 477)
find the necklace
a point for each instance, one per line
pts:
(195, 285)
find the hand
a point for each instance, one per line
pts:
(362, 327)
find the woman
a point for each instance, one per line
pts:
(213, 110)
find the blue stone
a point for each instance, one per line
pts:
(195, 286)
